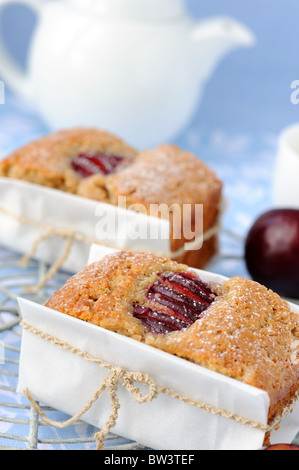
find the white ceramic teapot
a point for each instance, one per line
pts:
(133, 67)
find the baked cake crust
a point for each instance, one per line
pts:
(248, 333)
(167, 175)
(174, 178)
(47, 161)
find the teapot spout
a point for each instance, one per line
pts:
(216, 38)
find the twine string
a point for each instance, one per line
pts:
(129, 380)
(55, 266)
(71, 236)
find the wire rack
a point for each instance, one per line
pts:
(20, 426)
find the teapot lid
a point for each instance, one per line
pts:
(134, 9)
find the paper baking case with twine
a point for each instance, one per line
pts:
(58, 228)
(138, 392)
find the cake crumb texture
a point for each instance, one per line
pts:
(48, 161)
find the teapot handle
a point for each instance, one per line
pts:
(9, 70)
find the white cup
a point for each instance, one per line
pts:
(286, 174)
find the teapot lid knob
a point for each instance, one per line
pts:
(136, 9)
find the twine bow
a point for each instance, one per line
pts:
(119, 375)
(111, 382)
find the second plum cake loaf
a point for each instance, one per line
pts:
(237, 328)
(98, 165)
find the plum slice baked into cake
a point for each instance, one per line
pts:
(64, 159)
(237, 328)
(97, 165)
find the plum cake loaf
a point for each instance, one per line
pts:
(237, 328)
(99, 166)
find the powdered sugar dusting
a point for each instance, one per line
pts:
(247, 334)
(166, 175)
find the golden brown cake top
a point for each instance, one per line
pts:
(167, 175)
(104, 292)
(48, 161)
(249, 333)
(72, 160)
(245, 332)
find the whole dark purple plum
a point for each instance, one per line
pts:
(272, 251)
